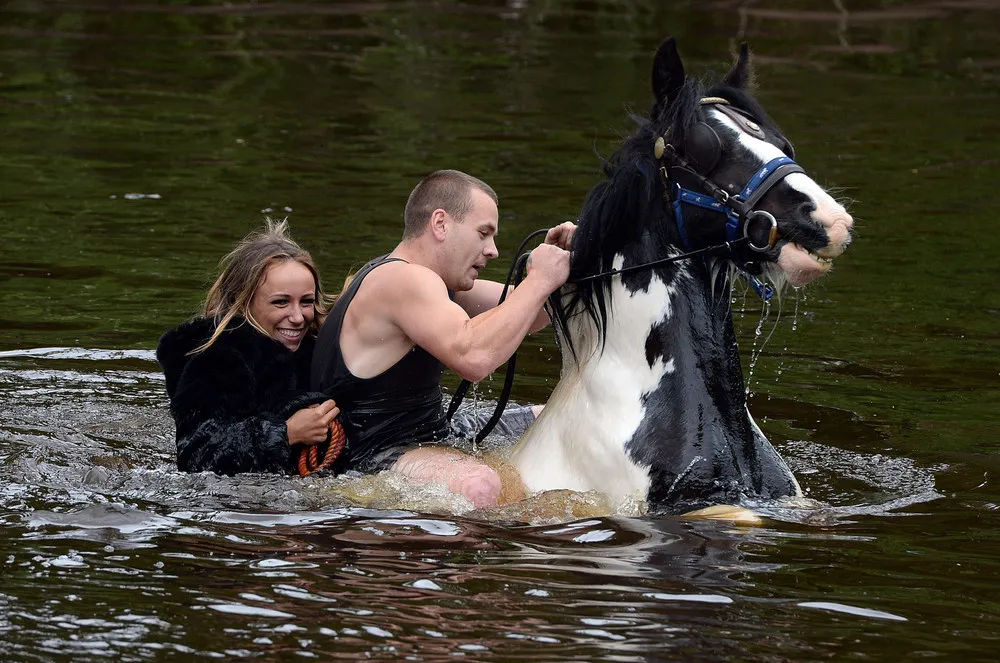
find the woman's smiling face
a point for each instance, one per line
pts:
(284, 303)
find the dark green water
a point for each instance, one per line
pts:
(138, 142)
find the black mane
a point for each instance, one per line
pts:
(627, 209)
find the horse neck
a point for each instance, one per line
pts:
(701, 340)
(672, 329)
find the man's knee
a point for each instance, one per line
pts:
(460, 473)
(480, 484)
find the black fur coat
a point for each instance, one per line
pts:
(231, 401)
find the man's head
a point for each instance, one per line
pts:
(447, 190)
(455, 216)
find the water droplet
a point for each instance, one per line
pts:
(795, 314)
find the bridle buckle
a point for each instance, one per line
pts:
(772, 230)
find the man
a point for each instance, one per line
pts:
(403, 317)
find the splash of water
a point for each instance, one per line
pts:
(799, 296)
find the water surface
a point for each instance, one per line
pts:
(140, 141)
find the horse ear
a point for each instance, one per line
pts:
(741, 75)
(668, 74)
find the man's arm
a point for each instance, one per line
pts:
(485, 295)
(473, 347)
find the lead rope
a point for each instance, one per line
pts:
(309, 460)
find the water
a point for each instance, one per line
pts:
(140, 142)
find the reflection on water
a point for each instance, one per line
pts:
(376, 582)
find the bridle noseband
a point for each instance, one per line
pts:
(739, 208)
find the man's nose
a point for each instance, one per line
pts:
(491, 250)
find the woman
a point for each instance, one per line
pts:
(237, 376)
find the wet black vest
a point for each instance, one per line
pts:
(398, 407)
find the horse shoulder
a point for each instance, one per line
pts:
(566, 450)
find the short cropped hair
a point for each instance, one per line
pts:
(449, 190)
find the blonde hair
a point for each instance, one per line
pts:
(242, 271)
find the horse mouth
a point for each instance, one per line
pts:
(823, 260)
(801, 265)
(807, 251)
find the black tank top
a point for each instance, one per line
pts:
(398, 407)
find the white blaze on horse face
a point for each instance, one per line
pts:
(578, 441)
(799, 265)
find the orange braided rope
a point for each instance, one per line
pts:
(309, 460)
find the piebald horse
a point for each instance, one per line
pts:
(651, 403)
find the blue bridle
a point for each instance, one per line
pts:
(735, 207)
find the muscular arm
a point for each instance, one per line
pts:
(485, 295)
(472, 347)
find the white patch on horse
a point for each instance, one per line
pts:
(766, 152)
(578, 441)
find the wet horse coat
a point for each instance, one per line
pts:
(651, 402)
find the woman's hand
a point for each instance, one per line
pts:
(311, 425)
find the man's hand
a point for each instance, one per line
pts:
(561, 235)
(311, 425)
(549, 264)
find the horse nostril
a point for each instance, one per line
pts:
(806, 209)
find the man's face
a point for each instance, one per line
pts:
(470, 241)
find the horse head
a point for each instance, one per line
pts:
(708, 171)
(723, 145)
(651, 401)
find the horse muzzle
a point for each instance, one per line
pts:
(804, 261)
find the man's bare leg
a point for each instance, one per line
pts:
(459, 472)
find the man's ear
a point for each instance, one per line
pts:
(439, 224)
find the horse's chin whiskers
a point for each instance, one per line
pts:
(839, 194)
(777, 279)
